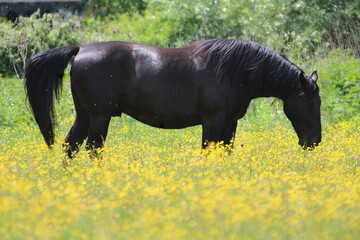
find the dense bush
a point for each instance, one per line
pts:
(105, 8)
(30, 35)
(296, 28)
(299, 26)
(132, 28)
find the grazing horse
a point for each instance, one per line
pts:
(209, 82)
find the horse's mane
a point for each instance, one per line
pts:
(245, 59)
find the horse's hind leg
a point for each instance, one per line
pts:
(98, 129)
(79, 130)
(77, 134)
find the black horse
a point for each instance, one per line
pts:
(210, 83)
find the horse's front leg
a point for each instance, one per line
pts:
(98, 128)
(228, 135)
(212, 130)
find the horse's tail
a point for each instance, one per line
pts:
(43, 82)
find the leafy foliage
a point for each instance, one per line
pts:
(104, 8)
(296, 28)
(281, 25)
(340, 73)
(30, 35)
(129, 27)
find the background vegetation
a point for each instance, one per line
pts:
(320, 35)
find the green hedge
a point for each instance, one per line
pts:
(296, 29)
(30, 35)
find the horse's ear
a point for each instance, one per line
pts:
(306, 81)
(314, 76)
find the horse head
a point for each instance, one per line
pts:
(302, 107)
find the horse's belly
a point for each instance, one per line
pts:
(162, 103)
(163, 113)
(171, 122)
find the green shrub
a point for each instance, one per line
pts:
(293, 28)
(32, 34)
(146, 29)
(103, 8)
(339, 80)
(298, 27)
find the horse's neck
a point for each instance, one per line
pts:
(271, 85)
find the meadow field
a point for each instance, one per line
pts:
(157, 184)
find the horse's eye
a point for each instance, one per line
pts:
(300, 94)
